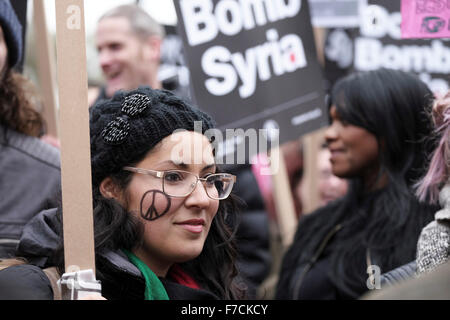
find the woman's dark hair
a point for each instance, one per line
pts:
(16, 107)
(383, 225)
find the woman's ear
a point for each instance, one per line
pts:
(109, 189)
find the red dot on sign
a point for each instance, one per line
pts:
(292, 57)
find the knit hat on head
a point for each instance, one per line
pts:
(12, 31)
(124, 128)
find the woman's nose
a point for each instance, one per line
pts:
(331, 133)
(198, 196)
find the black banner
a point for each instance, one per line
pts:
(378, 43)
(253, 64)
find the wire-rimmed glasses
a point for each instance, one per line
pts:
(180, 184)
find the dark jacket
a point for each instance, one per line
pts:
(29, 183)
(332, 250)
(120, 279)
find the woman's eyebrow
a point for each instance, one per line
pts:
(209, 166)
(185, 166)
(180, 165)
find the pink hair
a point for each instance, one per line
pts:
(438, 171)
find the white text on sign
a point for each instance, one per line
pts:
(227, 70)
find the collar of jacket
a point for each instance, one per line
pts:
(118, 260)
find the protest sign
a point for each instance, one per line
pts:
(173, 72)
(253, 65)
(46, 68)
(336, 13)
(378, 43)
(338, 54)
(425, 19)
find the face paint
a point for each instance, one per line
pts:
(155, 209)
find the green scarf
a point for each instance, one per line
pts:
(154, 289)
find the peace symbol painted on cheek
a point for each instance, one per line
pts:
(152, 212)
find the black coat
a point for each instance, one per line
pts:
(28, 282)
(311, 268)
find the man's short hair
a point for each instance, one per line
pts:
(142, 24)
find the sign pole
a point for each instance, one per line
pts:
(284, 203)
(319, 39)
(46, 68)
(76, 182)
(310, 194)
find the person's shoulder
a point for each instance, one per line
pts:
(24, 282)
(322, 212)
(34, 149)
(434, 227)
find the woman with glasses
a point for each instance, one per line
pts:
(163, 216)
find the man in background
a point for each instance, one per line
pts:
(128, 41)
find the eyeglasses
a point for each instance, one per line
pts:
(179, 183)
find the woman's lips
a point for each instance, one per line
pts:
(114, 78)
(335, 153)
(193, 225)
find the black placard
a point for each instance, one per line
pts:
(377, 43)
(253, 64)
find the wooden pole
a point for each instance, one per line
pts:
(319, 40)
(46, 68)
(310, 187)
(74, 132)
(284, 203)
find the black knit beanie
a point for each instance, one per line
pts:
(12, 31)
(124, 128)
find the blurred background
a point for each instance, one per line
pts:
(162, 11)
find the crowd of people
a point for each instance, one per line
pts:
(168, 228)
